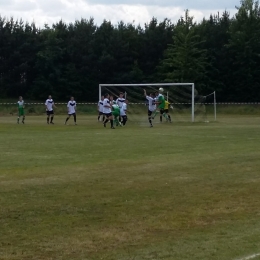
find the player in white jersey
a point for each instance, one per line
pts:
(100, 108)
(71, 106)
(49, 104)
(123, 112)
(120, 100)
(107, 111)
(151, 106)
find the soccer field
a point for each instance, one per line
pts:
(178, 191)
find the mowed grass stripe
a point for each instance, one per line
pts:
(178, 191)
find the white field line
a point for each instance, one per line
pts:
(249, 257)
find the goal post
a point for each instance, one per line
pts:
(192, 96)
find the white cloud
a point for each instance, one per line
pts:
(51, 11)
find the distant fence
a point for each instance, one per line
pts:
(174, 103)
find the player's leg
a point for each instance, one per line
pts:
(52, 116)
(106, 120)
(75, 118)
(18, 116)
(116, 121)
(168, 117)
(99, 115)
(150, 118)
(155, 113)
(124, 119)
(163, 114)
(67, 119)
(111, 121)
(23, 116)
(48, 116)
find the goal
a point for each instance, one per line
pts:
(181, 96)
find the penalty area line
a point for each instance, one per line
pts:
(249, 257)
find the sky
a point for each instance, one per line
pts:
(129, 11)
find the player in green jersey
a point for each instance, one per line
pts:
(160, 102)
(115, 112)
(20, 105)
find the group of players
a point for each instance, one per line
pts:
(111, 110)
(49, 106)
(157, 104)
(115, 110)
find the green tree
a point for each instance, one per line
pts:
(214, 35)
(184, 60)
(244, 56)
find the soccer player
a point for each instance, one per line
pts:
(115, 111)
(160, 102)
(100, 109)
(166, 112)
(71, 106)
(107, 111)
(120, 102)
(151, 106)
(49, 104)
(123, 111)
(20, 105)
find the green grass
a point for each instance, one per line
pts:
(175, 191)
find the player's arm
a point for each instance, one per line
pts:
(145, 93)
(54, 104)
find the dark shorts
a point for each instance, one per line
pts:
(49, 113)
(166, 111)
(149, 112)
(100, 113)
(107, 114)
(161, 111)
(73, 114)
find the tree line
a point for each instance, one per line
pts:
(221, 54)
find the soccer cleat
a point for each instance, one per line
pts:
(52, 123)
(23, 122)
(112, 127)
(104, 125)
(151, 125)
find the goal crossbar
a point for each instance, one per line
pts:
(157, 84)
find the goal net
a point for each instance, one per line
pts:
(181, 96)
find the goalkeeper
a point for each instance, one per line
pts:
(115, 112)
(166, 112)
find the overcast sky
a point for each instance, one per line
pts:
(140, 11)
